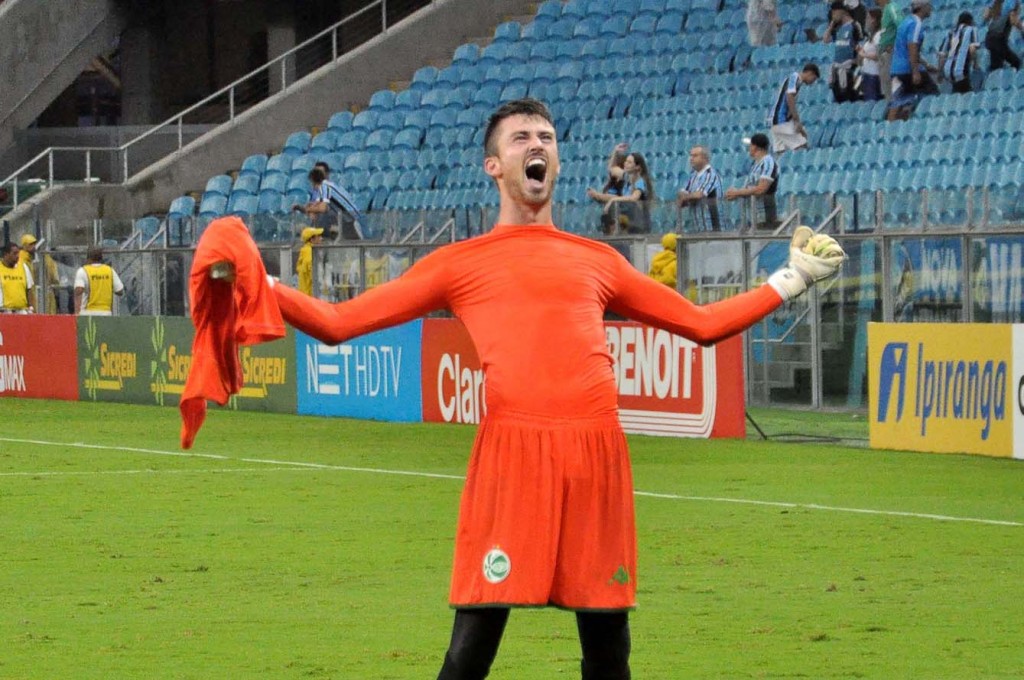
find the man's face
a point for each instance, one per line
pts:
(753, 150)
(808, 77)
(526, 164)
(11, 258)
(925, 11)
(697, 159)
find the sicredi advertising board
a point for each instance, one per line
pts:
(946, 388)
(38, 357)
(376, 376)
(667, 385)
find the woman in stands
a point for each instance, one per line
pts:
(612, 187)
(637, 193)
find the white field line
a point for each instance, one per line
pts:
(292, 465)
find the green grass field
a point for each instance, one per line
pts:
(286, 547)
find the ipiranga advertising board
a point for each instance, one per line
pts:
(947, 388)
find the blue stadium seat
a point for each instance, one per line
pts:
(409, 138)
(424, 78)
(183, 206)
(242, 205)
(246, 184)
(391, 120)
(382, 99)
(340, 122)
(253, 165)
(324, 142)
(366, 119)
(407, 100)
(301, 166)
(297, 142)
(653, 8)
(614, 27)
(147, 227)
(644, 24)
(549, 11)
(276, 182)
(379, 139)
(213, 205)
(272, 202)
(507, 32)
(352, 140)
(219, 184)
(466, 54)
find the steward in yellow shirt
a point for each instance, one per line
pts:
(311, 236)
(663, 266)
(96, 284)
(15, 282)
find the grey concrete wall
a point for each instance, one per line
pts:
(429, 36)
(44, 45)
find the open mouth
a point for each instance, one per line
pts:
(536, 172)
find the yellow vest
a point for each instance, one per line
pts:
(304, 268)
(101, 287)
(14, 284)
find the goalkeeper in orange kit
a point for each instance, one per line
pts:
(546, 516)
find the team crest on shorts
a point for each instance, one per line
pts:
(497, 566)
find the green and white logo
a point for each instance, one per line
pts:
(497, 566)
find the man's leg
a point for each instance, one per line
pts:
(604, 638)
(475, 639)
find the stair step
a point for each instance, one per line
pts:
(399, 85)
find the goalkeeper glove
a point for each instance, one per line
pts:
(812, 257)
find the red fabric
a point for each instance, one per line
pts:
(225, 316)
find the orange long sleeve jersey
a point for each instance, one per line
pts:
(533, 300)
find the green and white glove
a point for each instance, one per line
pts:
(812, 257)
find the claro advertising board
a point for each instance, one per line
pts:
(947, 388)
(667, 385)
(38, 357)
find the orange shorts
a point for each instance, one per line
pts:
(547, 516)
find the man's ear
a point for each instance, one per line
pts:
(492, 166)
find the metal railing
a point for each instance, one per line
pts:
(223, 106)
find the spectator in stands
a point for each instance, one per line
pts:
(27, 256)
(867, 51)
(763, 22)
(1000, 24)
(329, 205)
(633, 206)
(845, 34)
(787, 129)
(702, 191)
(762, 184)
(909, 69)
(891, 17)
(663, 265)
(311, 236)
(15, 282)
(96, 284)
(956, 54)
(612, 187)
(857, 11)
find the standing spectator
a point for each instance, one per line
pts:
(891, 17)
(311, 236)
(763, 22)
(997, 40)
(637, 193)
(762, 183)
(96, 284)
(15, 282)
(956, 55)
(328, 204)
(702, 191)
(870, 83)
(663, 265)
(788, 132)
(845, 34)
(27, 256)
(858, 12)
(909, 69)
(612, 187)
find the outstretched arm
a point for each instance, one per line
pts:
(419, 291)
(643, 299)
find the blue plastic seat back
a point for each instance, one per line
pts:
(219, 184)
(183, 206)
(297, 142)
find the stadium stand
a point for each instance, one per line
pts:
(629, 71)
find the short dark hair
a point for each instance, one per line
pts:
(519, 107)
(813, 68)
(8, 247)
(323, 164)
(966, 19)
(317, 175)
(94, 254)
(760, 140)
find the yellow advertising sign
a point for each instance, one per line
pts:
(946, 388)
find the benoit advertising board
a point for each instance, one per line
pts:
(145, 360)
(949, 388)
(376, 376)
(667, 385)
(38, 357)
